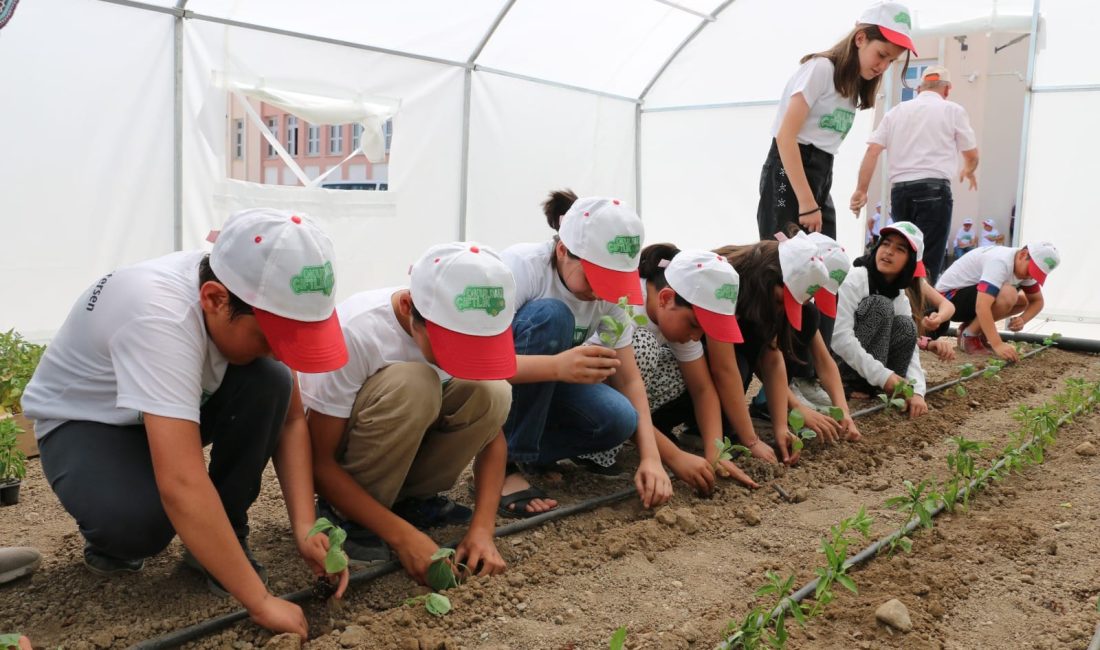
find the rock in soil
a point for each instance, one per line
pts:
(1085, 449)
(666, 516)
(617, 548)
(284, 642)
(686, 521)
(800, 495)
(355, 636)
(894, 614)
(751, 515)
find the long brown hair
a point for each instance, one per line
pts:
(760, 273)
(845, 57)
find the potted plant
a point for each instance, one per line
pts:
(12, 462)
(18, 360)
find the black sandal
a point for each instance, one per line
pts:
(521, 500)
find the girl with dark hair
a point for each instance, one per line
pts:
(571, 400)
(816, 111)
(689, 294)
(880, 314)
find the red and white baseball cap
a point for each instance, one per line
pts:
(837, 264)
(936, 73)
(467, 295)
(915, 237)
(989, 222)
(280, 264)
(1044, 258)
(709, 282)
(804, 273)
(607, 236)
(894, 20)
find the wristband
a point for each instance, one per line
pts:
(922, 342)
(809, 212)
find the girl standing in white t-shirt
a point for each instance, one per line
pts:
(816, 111)
(577, 393)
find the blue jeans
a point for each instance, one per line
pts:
(553, 420)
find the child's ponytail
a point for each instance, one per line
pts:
(649, 264)
(556, 205)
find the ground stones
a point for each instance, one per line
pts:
(894, 614)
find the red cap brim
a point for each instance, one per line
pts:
(303, 345)
(466, 356)
(720, 327)
(899, 39)
(826, 302)
(793, 309)
(611, 285)
(1036, 272)
(920, 271)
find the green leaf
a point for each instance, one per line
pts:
(836, 413)
(797, 444)
(9, 640)
(740, 449)
(796, 421)
(441, 576)
(796, 610)
(897, 403)
(960, 390)
(617, 639)
(848, 583)
(321, 525)
(437, 604)
(905, 543)
(442, 554)
(640, 321)
(808, 434)
(336, 560)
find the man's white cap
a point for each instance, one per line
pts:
(893, 20)
(607, 236)
(467, 295)
(936, 73)
(968, 221)
(280, 264)
(915, 237)
(709, 282)
(1044, 258)
(804, 273)
(837, 264)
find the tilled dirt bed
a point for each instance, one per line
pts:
(1017, 570)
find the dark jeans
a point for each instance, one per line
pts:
(928, 204)
(103, 473)
(552, 420)
(778, 206)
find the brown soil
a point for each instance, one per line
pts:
(673, 578)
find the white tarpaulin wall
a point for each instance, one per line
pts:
(499, 102)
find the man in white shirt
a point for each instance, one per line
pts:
(924, 137)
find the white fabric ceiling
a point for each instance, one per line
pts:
(480, 136)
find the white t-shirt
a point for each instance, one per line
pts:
(988, 238)
(135, 342)
(855, 288)
(965, 238)
(375, 340)
(924, 137)
(683, 352)
(535, 278)
(831, 116)
(987, 268)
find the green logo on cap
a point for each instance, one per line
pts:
(909, 228)
(628, 245)
(838, 275)
(839, 120)
(903, 18)
(812, 289)
(314, 279)
(487, 299)
(1050, 262)
(727, 292)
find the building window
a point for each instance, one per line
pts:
(336, 139)
(388, 129)
(313, 140)
(913, 76)
(238, 139)
(356, 136)
(292, 135)
(273, 126)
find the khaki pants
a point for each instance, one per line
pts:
(411, 436)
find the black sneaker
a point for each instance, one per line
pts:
(613, 471)
(211, 583)
(431, 512)
(106, 565)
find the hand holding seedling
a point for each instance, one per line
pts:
(693, 470)
(611, 330)
(586, 364)
(790, 446)
(823, 425)
(797, 422)
(1006, 351)
(320, 555)
(415, 552)
(917, 406)
(847, 424)
(478, 552)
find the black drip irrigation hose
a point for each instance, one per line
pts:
(1064, 342)
(210, 626)
(199, 630)
(874, 549)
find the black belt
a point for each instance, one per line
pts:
(924, 181)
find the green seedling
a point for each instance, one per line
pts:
(13, 462)
(960, 390)
(436, 604)
(9, 641)
(903, 391)
(993, 369)
(917, 505)
(836, 413)
(961, 462)
(612, 330)
(797, 423)
(617, 639)
(336, 560)
(441, 574)
(1052, 339)
(966, 369)
(726, 450)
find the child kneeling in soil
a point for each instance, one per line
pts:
(390, 434)
(689, 294)
(159, 359)
(992, 283)
(880, 315)
(574, 395)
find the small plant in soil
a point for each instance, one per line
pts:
(918, 502)
(12, 459)
(436, 604)
(336, 560)
(1052, 339)
(618, 639)
(612, 329)
(9, 641)
(802, 434)
(18, 359)
(836, 413)
(992, 369)
(903, 390)
(726, 449)
(441, 576)
(961, 462)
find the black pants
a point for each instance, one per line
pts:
(778, 205)
(103, 473)
(928, 204)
